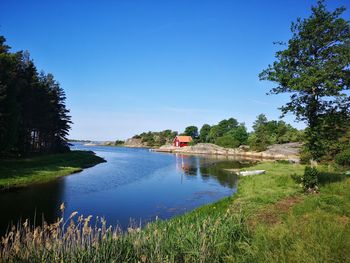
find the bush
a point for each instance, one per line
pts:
(297, 178)
(310, 179)
(305, 156)
(343, 158)
(192, 143)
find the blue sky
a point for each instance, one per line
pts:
(132, 66)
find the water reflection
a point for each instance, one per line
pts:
(133, 183)
(208, 167)
(36, 203)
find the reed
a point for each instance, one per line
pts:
(75, 239)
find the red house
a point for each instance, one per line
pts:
(181, 141)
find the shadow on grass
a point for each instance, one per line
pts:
(323, 177)
(328, 177)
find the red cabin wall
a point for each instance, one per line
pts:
(181, 144)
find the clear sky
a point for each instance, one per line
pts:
(132, 66)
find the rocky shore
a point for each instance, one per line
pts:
(135, 143)
(288, 151)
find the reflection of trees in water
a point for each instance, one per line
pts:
(187, 164)
(211, 167)
(42, 200)
(223, 177)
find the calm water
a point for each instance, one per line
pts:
(133, 183)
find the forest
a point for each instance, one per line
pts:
(33, 116)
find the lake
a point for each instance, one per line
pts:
(134, 185)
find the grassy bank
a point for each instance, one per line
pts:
(22, 172)
(268, 220)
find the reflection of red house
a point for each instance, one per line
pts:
(181, 141)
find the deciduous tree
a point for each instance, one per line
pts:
(315, 70)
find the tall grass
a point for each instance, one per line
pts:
(210, 239)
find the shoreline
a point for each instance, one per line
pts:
(264, 214)
(20, 173)
(211, 149)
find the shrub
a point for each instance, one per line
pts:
(343, 158)
(297, 178)
(310, 179)
(192, 143)
(305, 156)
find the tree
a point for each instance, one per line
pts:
(270, 132)
(213, 133)
(260, 120)
(33, 115)
(10, 80)
(191, 131)
(240, 134)
(315, 70)
(60, 120)
(225, 126)
(153, 139)
(204, 133)
(227, 141)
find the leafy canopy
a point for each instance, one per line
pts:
(315, 70)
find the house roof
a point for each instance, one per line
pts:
(184, 138)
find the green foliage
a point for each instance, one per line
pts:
(297, 178)
(239, 134)
(227, 141)
(33, 115)
(305, 156)
(118, 142)
(343, 158)
(260, 121)
(156, 139)
(225, 126)
(204, 133)
(227, 133)
(271, 132)
(310, 179)
(234, 137)
(191, 131)
(214, 133)
(315, 70)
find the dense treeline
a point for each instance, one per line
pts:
(33, 115)
(272, 132)
(156, 139)
(231, 134)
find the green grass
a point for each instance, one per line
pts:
(314, 230)
(22, 172)
(270, 219)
